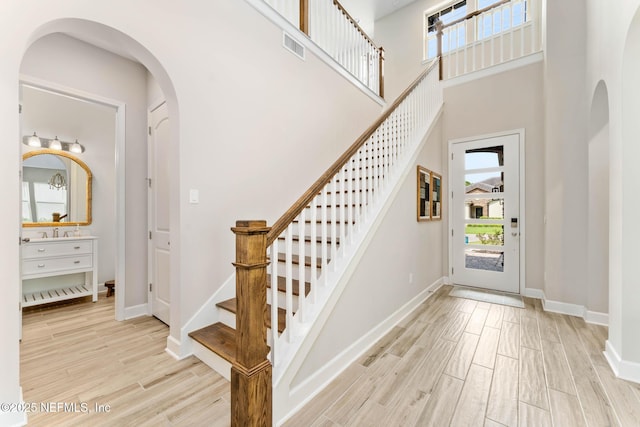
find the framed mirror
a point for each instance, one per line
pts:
(56, 189)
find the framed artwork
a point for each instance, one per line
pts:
(429, 197)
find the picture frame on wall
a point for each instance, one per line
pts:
(429, 195)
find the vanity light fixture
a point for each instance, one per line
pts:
(34, 141)
(57, 181)
(53, 144)
(76, 147)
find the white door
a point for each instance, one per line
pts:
(485, 218)
(159, 244)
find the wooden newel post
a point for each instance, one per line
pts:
(251, 386)
(439, 39)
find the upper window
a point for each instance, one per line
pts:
(492, 22)
(446, 15)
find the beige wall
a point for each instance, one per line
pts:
(402, 249)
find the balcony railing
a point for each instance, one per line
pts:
(329, 25)
(496, 34)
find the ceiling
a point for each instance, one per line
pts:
(374, 9)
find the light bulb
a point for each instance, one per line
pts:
(76, 147)
(55, 144)
(34, 141)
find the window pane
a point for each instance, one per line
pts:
(484, 208)
(480, 259)
(487, 157)
(486, 3)
(484, 234)
(48, 201)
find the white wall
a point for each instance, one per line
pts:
(93, 125)
(251, 128)
(404, 247)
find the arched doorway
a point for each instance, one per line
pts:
(598, 205)
(129, 213)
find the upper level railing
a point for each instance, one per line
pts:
(329, 25)
(506, 30)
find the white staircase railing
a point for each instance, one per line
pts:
(304, 244)
(330, 26)
(491, 36)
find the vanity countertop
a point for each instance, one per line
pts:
(59, 239)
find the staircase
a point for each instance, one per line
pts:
(287, 275)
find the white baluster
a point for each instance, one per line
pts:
(274, 300)
(302, 262)
(314, 251)
(334, 214)
(343, 210)
(350, 189)
(288, 244)
(324, 200)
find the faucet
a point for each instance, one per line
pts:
(55, 232)
(44, 235)
(66, 234)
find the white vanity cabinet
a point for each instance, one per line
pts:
(46, 262)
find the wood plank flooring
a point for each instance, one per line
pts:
(451, 362)
(468, 363)
(78, 353)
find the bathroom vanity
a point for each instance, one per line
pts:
(57, 269)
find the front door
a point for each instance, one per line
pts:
(485, 184)
(159, 244)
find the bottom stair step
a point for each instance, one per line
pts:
(230, 305)
(218, 338)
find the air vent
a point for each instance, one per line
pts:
(292, 45)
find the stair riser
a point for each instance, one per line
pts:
(307, 247)
(282, 299)
(307, 271)
(229, 319)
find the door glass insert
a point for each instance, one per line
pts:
(481, 259)
(484, 208)
(484, 234)
(485, 157)
(482, 183)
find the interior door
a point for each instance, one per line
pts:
(485, 213)
(159, 218)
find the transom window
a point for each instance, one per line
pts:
(490, 23)
(446, 15)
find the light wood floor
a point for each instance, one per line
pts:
(465, 363)
(79, 353)
(452, 362)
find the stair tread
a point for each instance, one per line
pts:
(219, 338)
(282, 285)
(231, 306)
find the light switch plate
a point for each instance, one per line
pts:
(194, 196)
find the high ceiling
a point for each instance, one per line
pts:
(375, 9)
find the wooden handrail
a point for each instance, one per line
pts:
(283, 222)
(354, 22)
(475, 13)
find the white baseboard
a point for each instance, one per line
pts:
(577, 310)
(174, 348)
(136, 311)
(564, 308)
(533, 293)
(597, 318)
(629, 371)
(308, 389)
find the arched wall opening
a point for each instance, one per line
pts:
(623, 346)
(598, 204)
(130, 204)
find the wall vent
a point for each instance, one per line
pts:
(292, 45)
